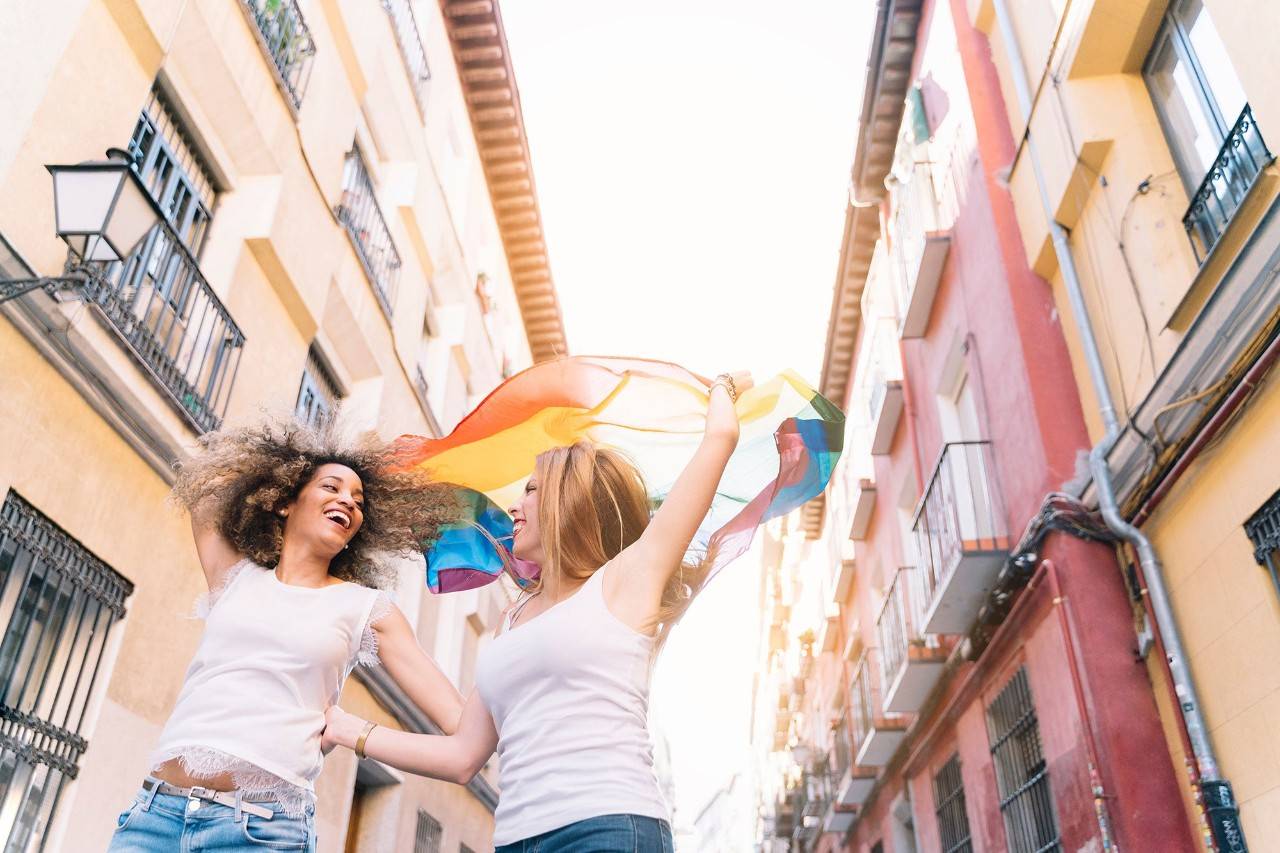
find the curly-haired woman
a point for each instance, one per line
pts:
(293, 529)
(563, 692)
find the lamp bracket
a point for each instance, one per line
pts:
(77, 275)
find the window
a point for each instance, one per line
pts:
(58, 603)
(1206, 118)
(287, 41)
(1021, 773)
(405, 26)
(319, 393)
(427, 838)
(157, 299)
(359, 213)
(1263, 530)
(173, 172)
(948, 807)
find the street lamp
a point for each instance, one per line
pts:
(102, 211)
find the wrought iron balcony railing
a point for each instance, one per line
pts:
(876, 735)
(898, 627)
(287, 42)
(1241, 159)
(961, 536)
(405, 26)
(359, 213)
(159, 302)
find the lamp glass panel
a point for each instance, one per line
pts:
(83, 198)
(134, 216)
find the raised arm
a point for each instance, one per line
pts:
(453, 758)
(416, 673)
(215, 552)
(648, 564)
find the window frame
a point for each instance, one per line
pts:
(1173, 35)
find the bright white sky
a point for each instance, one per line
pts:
(692, 159)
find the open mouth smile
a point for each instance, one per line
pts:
(339, 517)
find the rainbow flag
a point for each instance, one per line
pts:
(654, 411)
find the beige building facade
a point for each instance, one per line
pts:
(351, 230)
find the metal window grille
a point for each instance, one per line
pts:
(1263, 530)
(1021, 773)
(359, 213)
(165, 158)
(157, 299)
(58, 603)
(948, 808)
(427, 838)
(405, 25)
(319, 392)
(1240, 161)
(285, 38)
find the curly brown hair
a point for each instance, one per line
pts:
(245, 475)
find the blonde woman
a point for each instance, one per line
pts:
(292, 529)
(562, 691)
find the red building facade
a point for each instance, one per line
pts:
(984, 691)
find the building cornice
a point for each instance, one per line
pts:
(889, 63)
(493, 101)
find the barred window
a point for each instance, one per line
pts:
(157, 299)
(948, 807)
(1021, 772)
(319, 393)
(427, 838)
(359, 213)
(58, 603)
(1263, 530)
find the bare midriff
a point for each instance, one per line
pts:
(171, 771)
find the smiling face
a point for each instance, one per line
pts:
(527, 544)
(328, 510)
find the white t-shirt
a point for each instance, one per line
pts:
(272, 658)
(569, 695)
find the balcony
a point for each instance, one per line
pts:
(911, 661)
(838, 819)
(960, 535)
(855, 786)
(830, 639)
(884, 408)
(876, 735)
(863, 504)
(881, 381)
(175, 326)
(844, 569)
(920, 249)
(287, 42)
(1240, 161)
(359, 213)
(405, 26)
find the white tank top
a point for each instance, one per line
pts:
(569, 694)
(272, 657)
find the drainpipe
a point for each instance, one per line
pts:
(1215, 792)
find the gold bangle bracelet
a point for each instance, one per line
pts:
(364, 736)
(726, 381)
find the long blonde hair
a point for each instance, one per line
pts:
(592, 504)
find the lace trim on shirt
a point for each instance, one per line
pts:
(368, 652)
(205, 763)
(205, 601)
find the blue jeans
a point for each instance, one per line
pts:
(614, 833)
(163, 823)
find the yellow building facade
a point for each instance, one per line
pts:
(350, 229)
(1154, 123)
